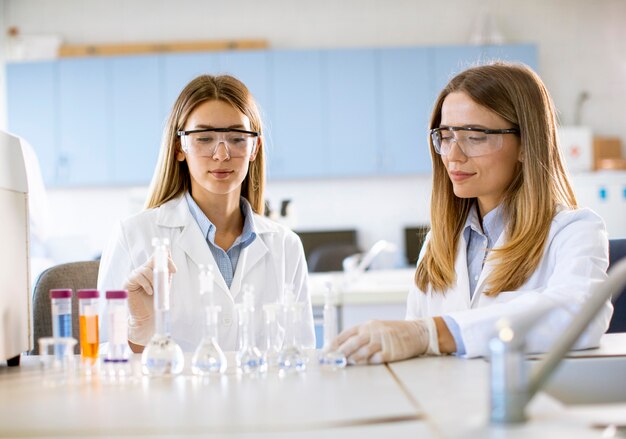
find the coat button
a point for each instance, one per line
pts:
(227, 320)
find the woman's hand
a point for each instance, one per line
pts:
(140, 303)
(379, 341)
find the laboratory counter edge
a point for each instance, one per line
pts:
(426, 397)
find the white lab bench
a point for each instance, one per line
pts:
(423, 397)
(379, 294)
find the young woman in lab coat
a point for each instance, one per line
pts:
(206, 196)
(507, 238)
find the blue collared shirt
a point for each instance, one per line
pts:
(226, 260)
(480, 239)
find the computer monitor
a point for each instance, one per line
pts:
(15, 327)
(413, 241)
(313, 239)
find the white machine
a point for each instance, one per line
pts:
(15, 322)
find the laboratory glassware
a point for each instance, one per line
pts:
(162, 355)
(209, 357)
(290, 357)
(56, 355)
(329, 358)
(117, 318)
(88, 303)
(249, 358)
(272, 336)
(61, 307)
(61, 301)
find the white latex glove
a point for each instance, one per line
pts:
(379, 341)
(140, 303)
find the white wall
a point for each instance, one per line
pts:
(83, 218)
(582, 47)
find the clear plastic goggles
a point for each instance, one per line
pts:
(473, 142)
(238, 143)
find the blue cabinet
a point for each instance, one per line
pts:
(350, 95)
(137, 118)
(251, 68)
(179, 69)
(32, 99)
(406, 79)
(327, 113)
(450, 60)
(84, 123)
(298, 147)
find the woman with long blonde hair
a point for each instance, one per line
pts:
(507, 238)
(206, 197)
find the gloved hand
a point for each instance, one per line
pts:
(140, 304)
(378, 341)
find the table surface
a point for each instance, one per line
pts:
(423, 397)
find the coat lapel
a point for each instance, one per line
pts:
(248, 258)
(462, 276)
(484, 274)
(176, 214)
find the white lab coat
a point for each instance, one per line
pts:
(575, 261)
(273, 259)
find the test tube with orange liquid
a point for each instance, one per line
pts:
(88, 303)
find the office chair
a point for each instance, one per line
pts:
(329, 257)
(74, 275)
(617, 251)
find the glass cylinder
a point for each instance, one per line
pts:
(331, 359)
(249, 358)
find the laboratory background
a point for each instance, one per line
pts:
(578, 47)
(345, 88)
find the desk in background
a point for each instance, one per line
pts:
(377, 294)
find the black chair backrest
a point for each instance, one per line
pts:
(74, 275)
(617, 251)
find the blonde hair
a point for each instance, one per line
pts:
(517, 94)
(171, 177)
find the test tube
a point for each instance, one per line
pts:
(117, 313)
(61, 301)
(88, 321)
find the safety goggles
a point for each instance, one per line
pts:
(473, 142)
